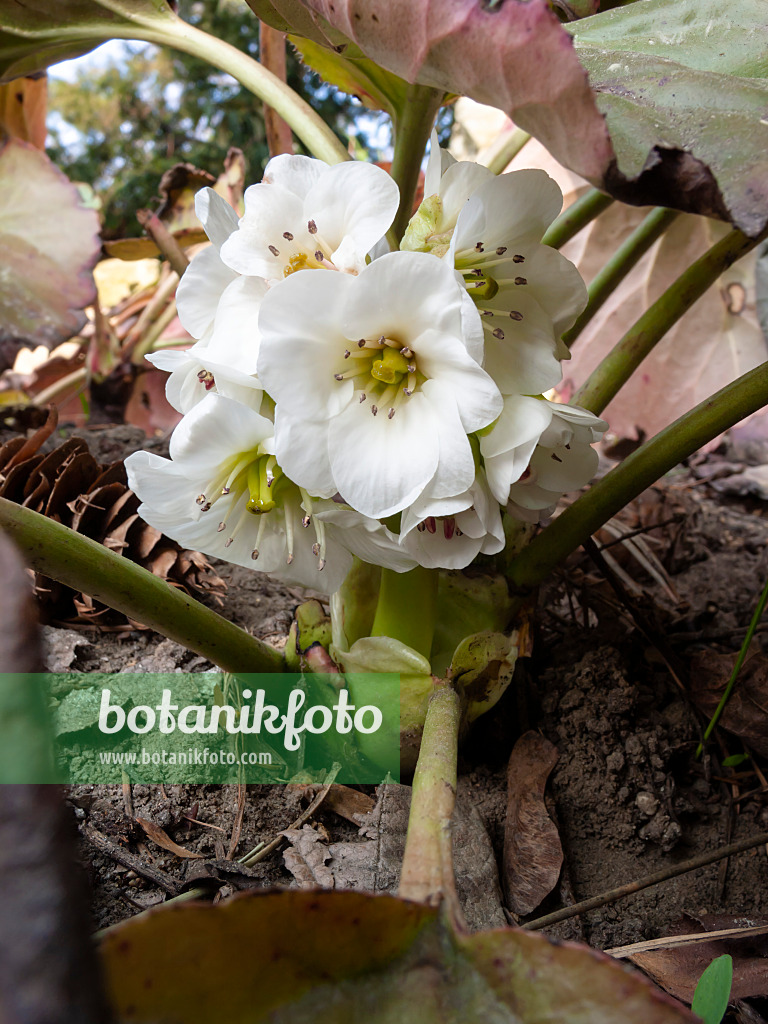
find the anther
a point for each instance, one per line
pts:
(556, 457)
(374, 409)
(498, 333)
(406, 352)
(514, 315)
(274, 251)
(362, 398)
(407, 392)
(200, 499)
(338, 376)
(521, 280)
(390, 414)
(289, 559)
(518, 258)
(458, 533)
(287, 235)
(255, 554)
(421, 527)
(479, 247)
(225, 490)
(476, 272)
(319, 255)
(228, 542)
(361, 343)
(221, 527)
(485, 312)
(449, 527)
(316, 548)
(501, 250)
(311, 227)
(411, 368)
(346, 353)
(321, 565)
(206, 507)
(306, 521)
(431, 524)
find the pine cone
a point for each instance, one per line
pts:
(71, 487)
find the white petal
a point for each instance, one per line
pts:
(456, 468)
(353, 205)
(458, 183)
(471, 324)
(199, 290)
(214, 430)
(235, 338)
(270, 211)
(302, 343)
(380, 465)
(403, 294)
(564, 469)
(439, 162)
(477, 397)
(522, 419)
(366, 538)
(301, 447)
(160, 483)
(518, 206)
(216, 215)
(295, 173)
(520, 349)
(551, 279)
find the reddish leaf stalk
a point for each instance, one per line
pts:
(272, 57)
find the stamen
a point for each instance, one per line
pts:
(391, 413)
(485, 312)
(306, 521)
(255, 554)
(411, 382)
(316, 548)
(518, 259)
(200, 499)
(274, 251)
(501, 250)
(362, 398)
(479, 247)
(288, 236)
(388, 394)
(521, 280)
(321, 565)
(476, 272)
(206, 507)
(270, 470)
(221, 527)
(319, 255)
(458, 533)
(228, 542)
(421, 527)
(515, 315)
(389, 342)
(556, 457)
(406, 351)
(374, 409)
(498, 333)
(431, 524)
(411, 367)
(449, 527)
(361, 343)
(311, 227)
(347, 353)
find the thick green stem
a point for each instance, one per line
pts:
(411, 131)
(304, 121)
(406, 608)
(620, 264)
(625, 357)
(651, 461)
(577, 216)
(427, 873)
(76, 561)
(504, 150)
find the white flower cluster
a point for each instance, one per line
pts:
(336, 404)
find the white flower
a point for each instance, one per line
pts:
(538, 450)
(374, 386)
(449, 533)
(223, 493)
(306, 215)
(206, 278)
(490, 228)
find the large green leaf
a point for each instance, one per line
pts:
(37, 33)
(684, 88)
(49, 242)
(346, 957)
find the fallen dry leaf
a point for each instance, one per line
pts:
(533, 854)
(746, 713)
(678, 970)
(306, 856)
(161, 838)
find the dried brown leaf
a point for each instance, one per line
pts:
(306, 858)
(533, 854)
(161, 838)
(678, 970)
(746, 713)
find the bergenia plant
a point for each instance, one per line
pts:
(368, 405)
